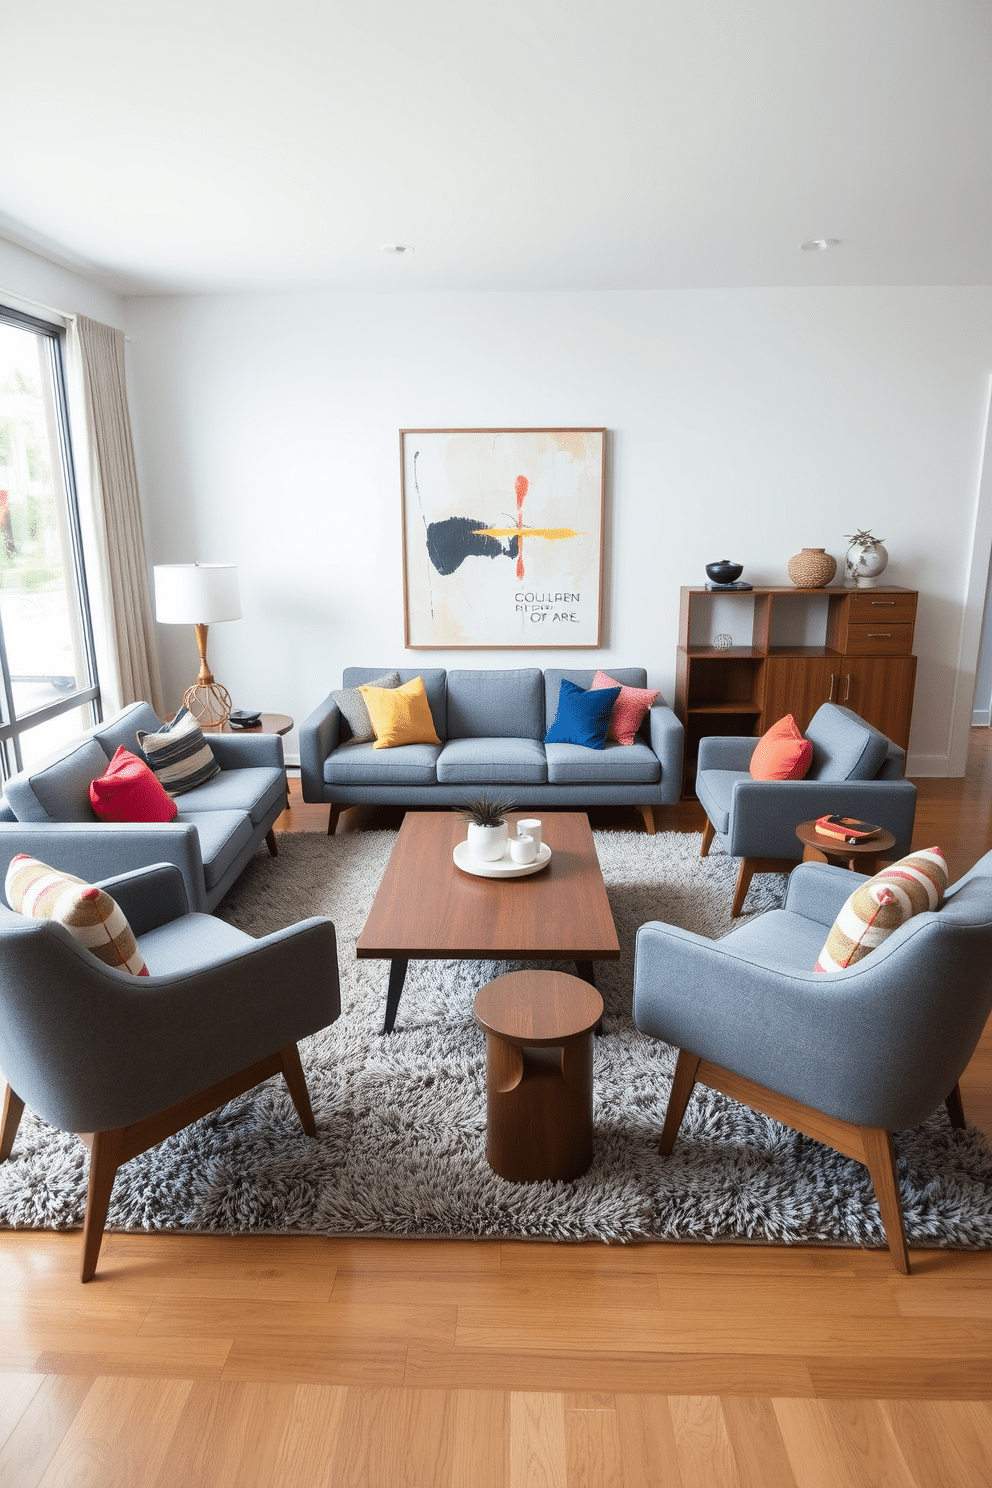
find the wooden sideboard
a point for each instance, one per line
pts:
(793, 649)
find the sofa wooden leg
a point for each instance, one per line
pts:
(271, 843)
(292, 1071)
(683, 1083)
(744, 877)
(954, 1104)
(332, 819)
(648, 814)
(709, 832)
(13, 1110)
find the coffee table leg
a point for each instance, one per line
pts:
(584, 969)
(397, 974)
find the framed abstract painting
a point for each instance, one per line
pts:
(502, 536)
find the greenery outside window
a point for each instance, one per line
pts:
(48, 681)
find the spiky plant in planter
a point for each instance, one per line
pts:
(488, 831)
(486, 811)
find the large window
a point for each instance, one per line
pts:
(48, 681)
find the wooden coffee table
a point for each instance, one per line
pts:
(428, 910)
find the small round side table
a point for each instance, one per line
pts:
(860, 857)
(539, 1043)
(269, 723)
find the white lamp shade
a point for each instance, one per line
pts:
(196, 593)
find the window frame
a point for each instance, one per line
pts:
(13, 726)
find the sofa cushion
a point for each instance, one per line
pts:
(583, 717)
(879, 906)
(629, 708)
(492, 762)
(362, 764)
(434, 679)
(844, 746)
(499, 703)
(89, 914)
(353, 709)
(617, 764)
(255, 789)
(583, 677)
(179, 754)
(223, 835)
(123, 728)
(127, 791)
(715, 790)
(60, 789)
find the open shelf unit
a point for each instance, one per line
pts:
(791, 650)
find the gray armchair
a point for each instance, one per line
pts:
(856, 771)
(127, 1061)
(847, 1057)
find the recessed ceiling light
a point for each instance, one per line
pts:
(817, 245)
(396, 248)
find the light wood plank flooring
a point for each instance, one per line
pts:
(297, 1362)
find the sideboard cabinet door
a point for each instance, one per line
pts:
(798, 685)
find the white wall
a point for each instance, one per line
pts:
(29, 282)
(743, 424)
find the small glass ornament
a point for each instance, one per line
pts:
(723, 641)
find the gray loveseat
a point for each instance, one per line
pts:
(46, 811)
(491, 724)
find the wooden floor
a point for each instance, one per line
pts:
(298, 1362)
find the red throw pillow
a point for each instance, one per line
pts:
(128, 791)
(628, 710)
(782, 753)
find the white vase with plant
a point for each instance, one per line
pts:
(866, 558)
(488, 831)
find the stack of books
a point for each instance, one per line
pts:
(846, 829)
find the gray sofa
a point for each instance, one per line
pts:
(46, 811)
(491, 724)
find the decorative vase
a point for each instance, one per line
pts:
(724, 571)
(812, 568)
(488, 843)
(864, 566)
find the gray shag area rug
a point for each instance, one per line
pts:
(401, 1118)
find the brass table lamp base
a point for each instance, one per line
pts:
(207, 701)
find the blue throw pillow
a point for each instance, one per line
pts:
(582, 717)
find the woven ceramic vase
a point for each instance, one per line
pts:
(812, 568)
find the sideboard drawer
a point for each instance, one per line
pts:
(865, 606)
(879, 638)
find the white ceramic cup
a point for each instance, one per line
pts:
(523, 849)
(531, 828)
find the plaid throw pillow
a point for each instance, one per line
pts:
(179, 755)
(90, 915)
(881, 904)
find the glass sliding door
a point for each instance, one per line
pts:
(48, 681)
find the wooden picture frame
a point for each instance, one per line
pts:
(502, 537)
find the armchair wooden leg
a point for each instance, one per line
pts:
(13, 1110)
(271, 843)
(955, 1109)
(709, 832)
(880, 1160)
(683, 1083)
(293, 1074)
(332, 819)
(744, 876)
(648, 814)
(106, 1152)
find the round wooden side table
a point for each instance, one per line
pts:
(539, 1046)
(860, 857)
(269, 723)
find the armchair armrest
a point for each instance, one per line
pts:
(667, 740)
(725, 752)
(241, 751)
(764, 814)
(149, 897)
(319, 736)
(818, 890)
(98, 850)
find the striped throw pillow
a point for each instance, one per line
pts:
(881, 904)
(89, 914)
(179, 755)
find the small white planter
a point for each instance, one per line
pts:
(487, 843)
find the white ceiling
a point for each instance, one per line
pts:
(223, 145)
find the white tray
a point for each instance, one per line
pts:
(504, 867)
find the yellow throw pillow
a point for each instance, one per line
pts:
(400, 715)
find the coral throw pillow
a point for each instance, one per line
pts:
(782, 753)
(582, 717)
(400, 715)
(628, 710)
(128, 791)
(89, 914)
(881, 904)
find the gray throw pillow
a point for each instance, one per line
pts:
(351, 706)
